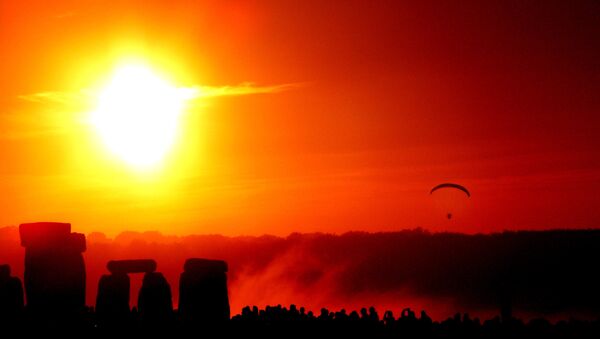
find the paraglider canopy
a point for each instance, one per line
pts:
(450, 197)
(451, 185)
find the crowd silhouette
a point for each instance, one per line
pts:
(55, 280)
(275, 320)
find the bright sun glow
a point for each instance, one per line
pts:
(137, 115)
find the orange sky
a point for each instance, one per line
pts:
(323, 117)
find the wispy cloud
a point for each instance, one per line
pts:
(57, 97)
(60, 111)
(193, 92)
(245, 88)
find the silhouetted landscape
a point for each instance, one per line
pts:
(545, 277)
(300, 169)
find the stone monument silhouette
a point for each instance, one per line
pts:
(54, 269)
(11, 296)
(203, 297)
(155, 303)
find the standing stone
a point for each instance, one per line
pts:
(155, 302)
(203, 297)
(11, 296)
(54, 268)
(112, 300)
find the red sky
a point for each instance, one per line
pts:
(355, 111)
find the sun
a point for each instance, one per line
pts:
(137, 115)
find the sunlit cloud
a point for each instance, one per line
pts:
(193, 92)
(59, 110)
(56, 97)
(245, 88)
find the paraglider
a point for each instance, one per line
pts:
(451, 196)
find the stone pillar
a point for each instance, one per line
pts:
(203, 297)
(11, 296)
(112, 300)
(155, 303)
(54, 269)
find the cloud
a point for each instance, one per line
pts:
(57, 97)
(62, 111)
(193, 92)
(245, 88)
